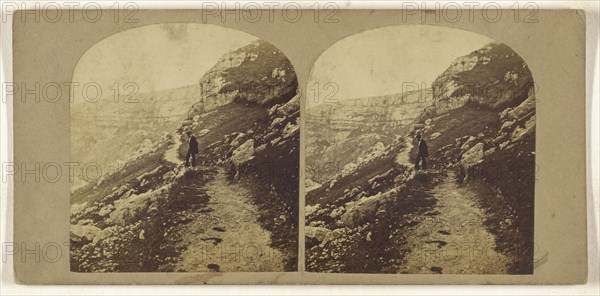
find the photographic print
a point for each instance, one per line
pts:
(190, 153)
(420, 155)
(299, 144)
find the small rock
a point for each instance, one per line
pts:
(333, 236)
(507, 125)
(489, 152)
(318, 233)
(466, 145)
(337, 212)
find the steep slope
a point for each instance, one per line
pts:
(490, 142)
(257, 138)
(140, 217)
(373, 219)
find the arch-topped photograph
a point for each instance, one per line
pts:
(420, 155)
(189, 134)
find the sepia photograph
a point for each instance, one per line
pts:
(190, 153)
(180, 145)
(420, 155)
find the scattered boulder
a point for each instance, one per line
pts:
(365, 208)
(472, 157)
(186, 123)
(275, 141)
(104, 233)
(276, 121)
(310, 185)
(337, 212)
(106, 210)
(504, 114)
(489, 152)
(236, 141)
(333, 235)
(290, 107)
(243, 153)
(128, 209)
(317, 223)
(273, 109)
(260, 148)
(418, 126)
(290, 129)
(317, 233)
(311, 209)
(355, 191)
(203, 132)
(502, 136)
(78, 208)
(507, 125)
(84, 233)
(467, 144)
(521, 132)
(525, 108)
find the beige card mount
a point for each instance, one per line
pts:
(347, 147)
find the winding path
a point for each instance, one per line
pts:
(452, 237)
(403, 158)
(172, 154)
(229, 238)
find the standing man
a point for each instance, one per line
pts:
(423, 153)
(192, 149)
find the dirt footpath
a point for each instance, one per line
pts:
(452, 238)
(228, 238)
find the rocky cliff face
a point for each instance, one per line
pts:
(342, 133)
(109, 133)
(381, 111)
(258, 73)
(494, 76)
(257, 85)
(495, 81)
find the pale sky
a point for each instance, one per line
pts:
(157, 57)
(377, 62)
